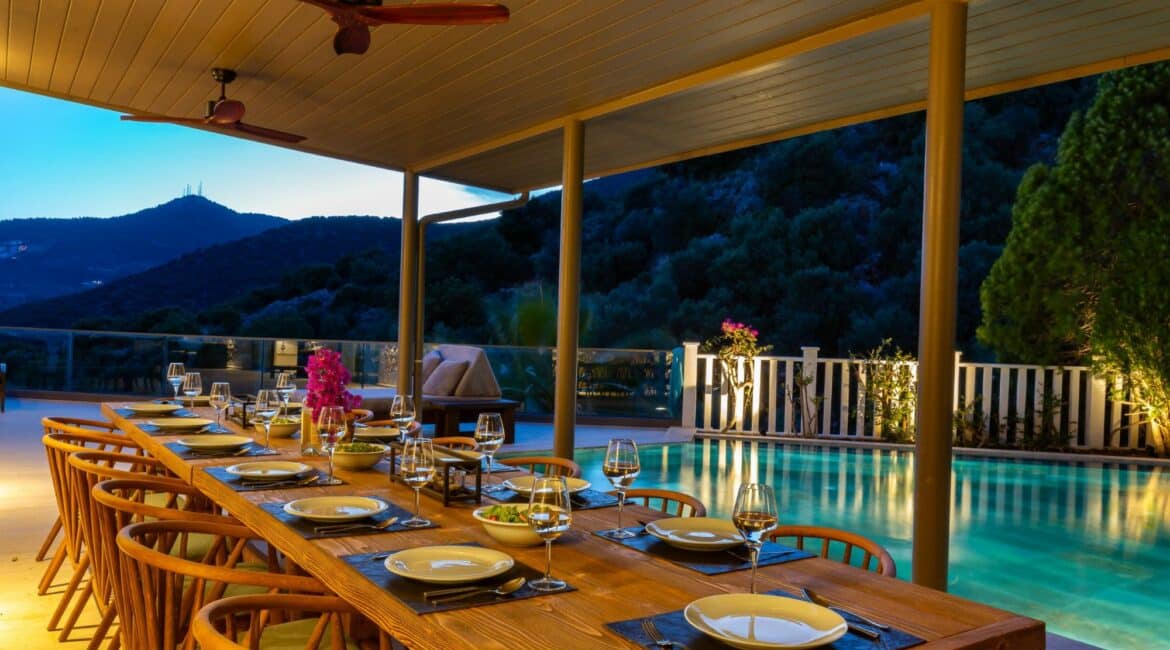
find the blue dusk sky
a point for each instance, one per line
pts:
(62, 159)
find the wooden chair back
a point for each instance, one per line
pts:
(361, 415)
(464, 443)
(159, 591)
(677, 504)
(873, 556)
(238, 622)
(547, 465)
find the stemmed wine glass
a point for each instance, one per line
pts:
(489, 435)
(192, 386)
(267, 404)
(402, 413)
(549, 515)
(220, 397)
(175, 372)
(286, 384)
(621, 467)
(417, 467)
(754, 516)
(331, 426)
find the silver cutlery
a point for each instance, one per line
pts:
(502, 590)
(651, 631)
(300, 482)
(344, 528)
(814, 597)
(856, 628)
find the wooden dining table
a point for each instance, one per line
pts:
(612, 582)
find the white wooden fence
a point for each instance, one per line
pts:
(1013, 400)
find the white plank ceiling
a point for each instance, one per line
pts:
(482, 105)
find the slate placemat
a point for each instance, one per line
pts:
(674, 627)
(706, 562)
(220, 473)
(410, 592)
(305, 528)
(186, 453)
(583, 500)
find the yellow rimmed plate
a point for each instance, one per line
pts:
(215, 442)
(761, 622)
(696, 533)
(449, 564)
(523, 484)
(151, 408)
(335, 508)
(267, 470)
(374, 434)
(180, 423)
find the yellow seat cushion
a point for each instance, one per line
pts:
(293, 636)
(235, 589)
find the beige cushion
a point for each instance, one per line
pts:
(445, 378)
(479, 380)
(430, 361)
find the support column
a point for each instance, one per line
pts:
(569, 290)
(408, 282)
(936, 320)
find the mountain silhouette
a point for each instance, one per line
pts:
(41, 258)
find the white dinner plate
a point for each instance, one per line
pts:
(523, 484)
(267, 470)
(215, 442)
(696, 533)
(448, 564)
(152, 408)
(335, 508)
(180, 423)
(375, 433)
(760, 622)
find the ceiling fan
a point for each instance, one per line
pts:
(222, 113)
(355, 17)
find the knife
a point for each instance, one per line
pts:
(824, 602)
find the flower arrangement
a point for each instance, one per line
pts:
(736, 341)
(328, 378)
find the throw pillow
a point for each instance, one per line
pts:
(430, 361)
(445, 378)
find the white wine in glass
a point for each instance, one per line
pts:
(267, 405)
(489, 436)
(219, 398)
(331, 427)
(550, 515)
(175, 372)
(402, 413)
(192, 386)
(286, 385)
(621, 466)
(754, 516)
(417, 467)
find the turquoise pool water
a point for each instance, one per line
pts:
(1083, 546)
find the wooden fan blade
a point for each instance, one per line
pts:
(271, 134)
(163, 118)
(436, 14)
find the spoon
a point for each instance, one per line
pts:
(503, 590)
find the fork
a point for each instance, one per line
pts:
(342, 528)
(651, 631)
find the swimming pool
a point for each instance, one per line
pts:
(1083, 546)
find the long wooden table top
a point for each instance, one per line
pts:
(613, 582)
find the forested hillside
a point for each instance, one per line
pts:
(814, 240)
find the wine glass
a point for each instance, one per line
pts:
(549, 515)
(754, 516)
(489, 435)
(220, 397)
(267, 404)
(621, 467)
(417, 467)
(175, 372)
(331, 427)
(286, 384)
(402, 413)
(192, 386)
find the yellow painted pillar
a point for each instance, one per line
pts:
(936, 320)
(407, 282)
(569, 290)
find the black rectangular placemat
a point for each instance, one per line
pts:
(220, 473)
(706, 562)
(186, 453)
(583, 500)
(410, 592)
(674, 627)
(305, 528)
